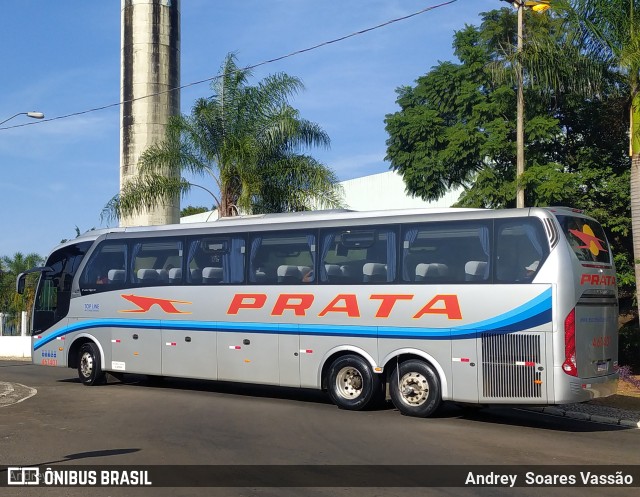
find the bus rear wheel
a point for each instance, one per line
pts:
(414, 388)
(352, 384)
(89, 367)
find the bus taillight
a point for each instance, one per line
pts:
(569, 364)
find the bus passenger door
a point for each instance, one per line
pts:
(189, 353)
(464, 369)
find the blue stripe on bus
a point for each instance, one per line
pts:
(534, 313)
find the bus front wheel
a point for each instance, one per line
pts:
(352, 384)
(414, 388)
(89, 367)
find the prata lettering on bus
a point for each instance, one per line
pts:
(345, 303)
(598, 279)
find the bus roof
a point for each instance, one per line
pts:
(287, 220)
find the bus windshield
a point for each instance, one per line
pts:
(54, 289)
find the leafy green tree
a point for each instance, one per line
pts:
(609, 31)
(244, 140)
(190, 210)
(457, 127)
(10, 302)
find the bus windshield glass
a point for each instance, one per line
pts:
(54, 290)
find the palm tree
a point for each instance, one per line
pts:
(247, 141)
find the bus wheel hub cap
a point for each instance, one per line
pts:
(414, 389)
(349, 382)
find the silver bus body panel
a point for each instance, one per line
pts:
(503, 348)
(254, 346)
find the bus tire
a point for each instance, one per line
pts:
(89, 367)
(352, 384)
(414, 388)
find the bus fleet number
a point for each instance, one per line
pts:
(603, 341)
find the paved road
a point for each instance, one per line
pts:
(208, 423)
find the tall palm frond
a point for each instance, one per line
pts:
(237, 139)
(144, 192)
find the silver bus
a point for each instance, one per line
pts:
(474, 306)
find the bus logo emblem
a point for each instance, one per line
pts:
(588, 237)
(144, 304)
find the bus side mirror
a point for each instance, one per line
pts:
(21, 277)
(20, 284)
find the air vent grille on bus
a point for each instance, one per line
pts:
(510, 366)
(552, 232)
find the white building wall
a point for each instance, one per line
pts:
(387, 191)
(15, 346)
(381, 191)
(203, 217)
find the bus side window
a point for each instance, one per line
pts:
(341, 258)
(285, 258)
(152, 261)
(521, 247)
(216, 260)
(358, 256)
(380, 265)
(446, 252)
(106, 269)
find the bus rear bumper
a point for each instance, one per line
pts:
(570, 389)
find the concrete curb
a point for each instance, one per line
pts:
(596, 414)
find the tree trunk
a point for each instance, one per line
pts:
(228, 201)
(635, 184)
(224, 202)
(635, 213)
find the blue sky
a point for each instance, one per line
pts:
(64, 57)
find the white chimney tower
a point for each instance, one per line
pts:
(150, 65)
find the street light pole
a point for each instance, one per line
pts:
(34, 115)
(537, 6)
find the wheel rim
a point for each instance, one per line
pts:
(86, 365)
(414, 389)
(349, 383)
